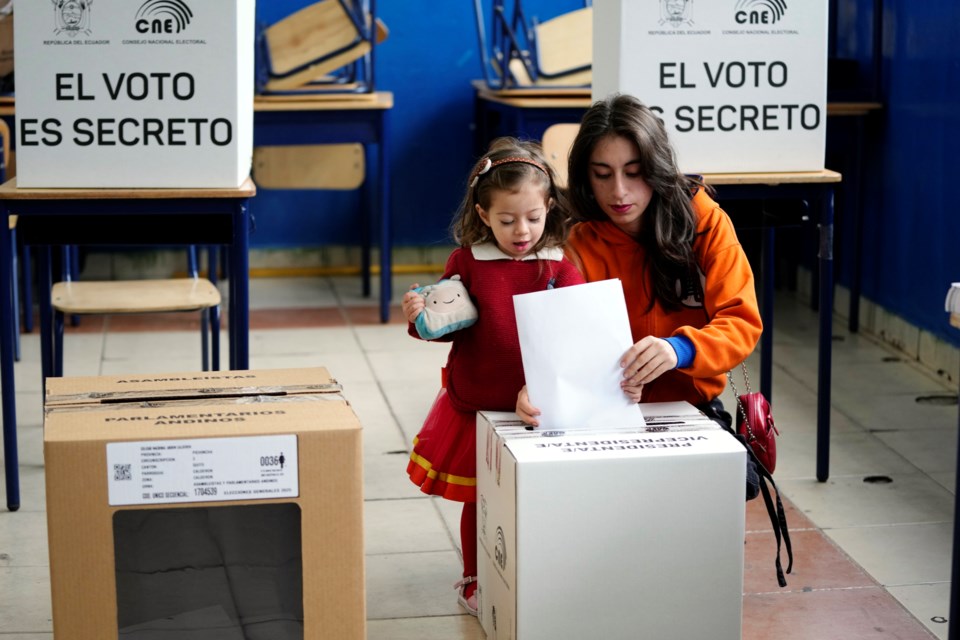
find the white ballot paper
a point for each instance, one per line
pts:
(571, 340)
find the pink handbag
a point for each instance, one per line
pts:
(755, 423)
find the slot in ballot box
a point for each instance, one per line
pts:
(217, 506)
(607, 533)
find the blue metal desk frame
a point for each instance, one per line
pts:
(817, 187)
(97, 216)
(341, 119)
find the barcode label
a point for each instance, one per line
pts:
(202, 470)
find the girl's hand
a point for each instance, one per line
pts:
(527, 412)
(412, 304)
(644, 362)
(632, 392)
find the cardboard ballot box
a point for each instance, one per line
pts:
(134, 94)
(633, 533)
(220, 505)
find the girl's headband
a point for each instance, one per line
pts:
(488, 164)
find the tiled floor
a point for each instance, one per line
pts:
(872, 559)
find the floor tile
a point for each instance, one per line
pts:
(403, 526)
(848, 501)
(817, 564)
(867, 613)
(412, 585)
(900, 554)
(292, 293)
(929, 450)
(385, 477)
(758, 519)
(30, 443)
(19, 550)
(33, 491)
(25, 606)
(946, 480)
(851, 454)
(930, 603)
(462, 627)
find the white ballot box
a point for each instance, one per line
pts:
(629, 533)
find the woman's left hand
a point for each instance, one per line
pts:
(646, 361)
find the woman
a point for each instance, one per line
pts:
(688, 284)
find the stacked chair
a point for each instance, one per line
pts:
(325, 47)
(521, 53)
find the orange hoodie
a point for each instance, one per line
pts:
(724, 329)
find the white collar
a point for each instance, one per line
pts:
(490, 251)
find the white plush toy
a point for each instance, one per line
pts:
(447, 308)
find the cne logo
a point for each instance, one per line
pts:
(759, 11)
(71, 17)
(500, 549)
(163, 16)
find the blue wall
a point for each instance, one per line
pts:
(911, 232)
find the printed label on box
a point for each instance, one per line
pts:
(202, 470)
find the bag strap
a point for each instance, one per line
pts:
(778, 518)
(743, 411)
(775, 510)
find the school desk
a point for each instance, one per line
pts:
(50, 217)
(341, 119)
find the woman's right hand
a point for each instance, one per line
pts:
(527, 412)
(412, 303)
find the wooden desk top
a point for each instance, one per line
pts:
(10, 191)
(852, 108)
(580, 97)
(324, 102)
(773, 178)
(297, 102)
(533, 92)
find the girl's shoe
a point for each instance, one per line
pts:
(470, 604)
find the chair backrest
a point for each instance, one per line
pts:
(557, 140)
(318, 166)
(317, 31)
(565, 43)
(320, 38)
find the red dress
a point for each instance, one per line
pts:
(484, 369)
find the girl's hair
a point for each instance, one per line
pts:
(508, 165)
(669, 225)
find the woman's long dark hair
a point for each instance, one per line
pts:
(668, 226)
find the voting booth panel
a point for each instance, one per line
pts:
(610, 533)
(741, 85)
(134, 94)
(217, 506)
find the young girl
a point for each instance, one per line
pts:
(510, 228)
